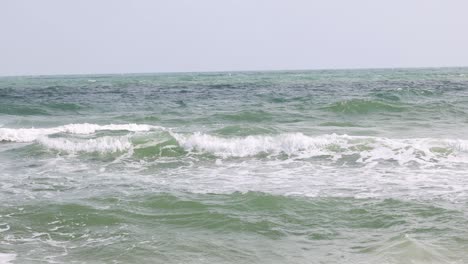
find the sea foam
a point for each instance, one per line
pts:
(289, 144)
(369, 149)
(365, 149)
(7, 258)
(31, 134)
(101, 145)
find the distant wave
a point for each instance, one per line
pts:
(41, 109)
(362, 106)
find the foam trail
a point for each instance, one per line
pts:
(31, 134)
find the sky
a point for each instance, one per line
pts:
(144, 36)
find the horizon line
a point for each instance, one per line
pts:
(231, 71)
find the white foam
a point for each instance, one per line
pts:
(6, 258)
(369, 149)
(31, 134)
(100, 145)
(4, 227)
(408, 249)
(252, 145)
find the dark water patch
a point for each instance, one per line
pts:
(21, 110)
(279, 100)
(139, 118)
(181, 103)
(294, 99)
(223, 86)
(340, 124)
(407, 94)
(64, 106)
(246, 116)
(387, 96)
(54, 88)
(239, 130)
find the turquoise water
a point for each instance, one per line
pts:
(345, 166)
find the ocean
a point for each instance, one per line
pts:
(325, 166)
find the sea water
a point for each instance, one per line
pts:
(343, 166)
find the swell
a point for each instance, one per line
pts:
(285, 212)
(29, 109)
(21, 110)
(246, 116)
(401, 94)
(317, 221)
(364, 106)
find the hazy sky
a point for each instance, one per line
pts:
(112, 36)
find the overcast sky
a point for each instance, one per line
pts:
(112, 36)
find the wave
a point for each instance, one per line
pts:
(64, 106)
(43, 109)
(159, 141)
(32, 134)
(246, 116)
(23, 110)
(253, 145)
(399, 94)
(394, 238)
(363, 106)
(297, 144)
(99, 145)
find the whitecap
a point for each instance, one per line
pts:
(31, 134)
(369, 149)
(100, 145)
(290, 144)
(6, 258)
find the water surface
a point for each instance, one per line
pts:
(348, 166)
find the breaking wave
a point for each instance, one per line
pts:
(100, 145)
(369, 149)
(32, 134)
(155, 141)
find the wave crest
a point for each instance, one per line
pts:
(343, 148)
(368, 149)
(31, 134)
(252, 145)
(99, 145)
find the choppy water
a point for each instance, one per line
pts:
(364, 166)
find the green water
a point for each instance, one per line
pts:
(348, 166)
